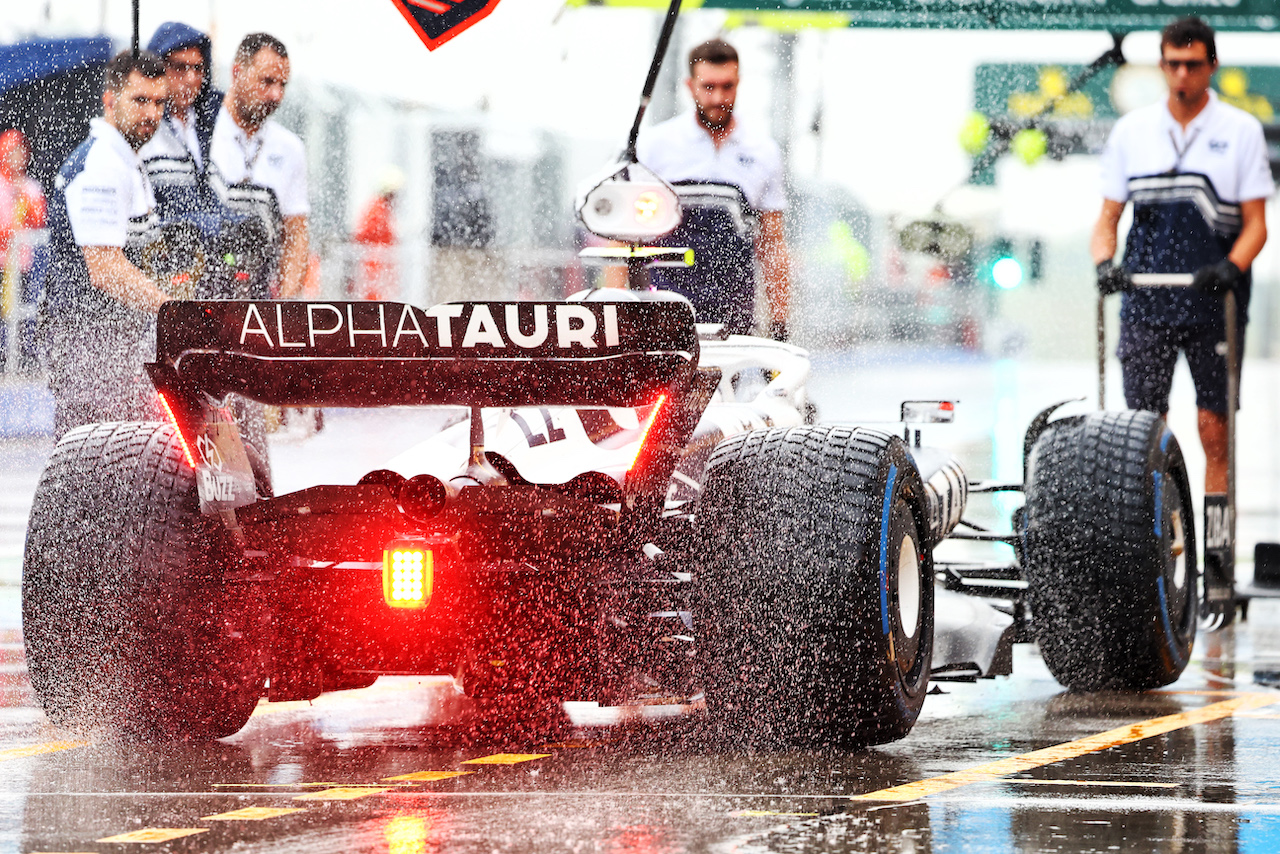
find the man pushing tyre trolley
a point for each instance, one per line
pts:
(1196, 172)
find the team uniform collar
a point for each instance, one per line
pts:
(240, 134)
(186, 121)
(1202, 118)
(112, 137)
(697, 127)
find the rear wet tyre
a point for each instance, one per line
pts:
(129, 622)
(1111, 552)
(815, 591)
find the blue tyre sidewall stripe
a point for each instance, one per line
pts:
(1171, 639)
(885, 515)
(1157, 480)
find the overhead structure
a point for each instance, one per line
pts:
(1117, 16)
(437, 21)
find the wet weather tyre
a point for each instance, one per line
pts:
(129, 619)
(1111, 552)
(815, 587)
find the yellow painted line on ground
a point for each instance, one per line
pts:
(1210, 692)
(155, 834)
(252, 814)
(506, 758)
(37, 749)
(1109, 783)
(328, 785)
(1092, 744)
(342, 793)
(426, 776)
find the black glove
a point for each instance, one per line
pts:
(1216, 279)
(778, 330)
(1113, 279)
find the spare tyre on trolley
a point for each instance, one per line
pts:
(1110, 551)
(814, 587)
(131, 614)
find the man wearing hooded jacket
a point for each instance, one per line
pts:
(180, 147)
(190, 195)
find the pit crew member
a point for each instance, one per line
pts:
(1196, 172)
(263, 163)
(178, 155)
(711, 144)
(99, 309)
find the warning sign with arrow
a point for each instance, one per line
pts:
(437, 21)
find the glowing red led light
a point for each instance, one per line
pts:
(408, 570)
(186, 449)
(644, 432)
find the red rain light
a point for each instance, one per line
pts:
(408, 570)
(644, 433)
(186, 449)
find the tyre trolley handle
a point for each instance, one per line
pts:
(1161, 280)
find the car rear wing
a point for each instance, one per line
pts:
(484, 354)
(473, 354)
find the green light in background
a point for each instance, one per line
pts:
(1006, 272)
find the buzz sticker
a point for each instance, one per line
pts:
(437, 21)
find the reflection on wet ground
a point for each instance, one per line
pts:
(1010, 765)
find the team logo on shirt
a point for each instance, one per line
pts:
(1218, 146)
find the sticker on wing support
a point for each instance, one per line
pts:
(928, 411)
(224, 478)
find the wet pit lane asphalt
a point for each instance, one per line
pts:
(1010, 765)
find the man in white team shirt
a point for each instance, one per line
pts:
(714, 145)
(99, 308)
(260, 160)
(1195, 171)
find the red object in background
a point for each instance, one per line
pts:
(22, 203)
(376, 234)
(939, 276)
(437, 21)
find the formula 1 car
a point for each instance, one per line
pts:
(612, 523)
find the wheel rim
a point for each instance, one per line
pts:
(908, 587)
(1177, 572)
(1178, 550)
(907, 593)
